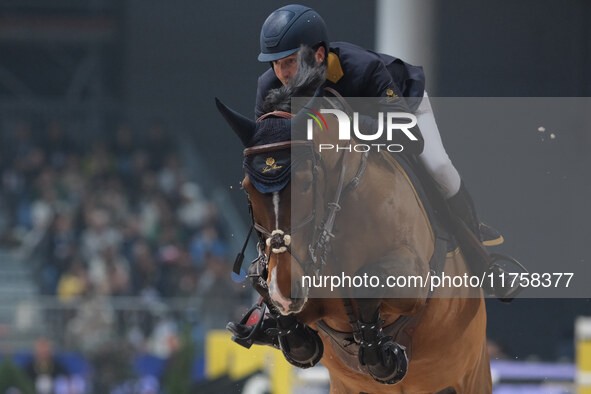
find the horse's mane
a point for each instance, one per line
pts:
(309, 77)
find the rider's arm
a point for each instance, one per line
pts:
(379, 83)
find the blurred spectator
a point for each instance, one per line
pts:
(188, 275)
(59, 247)
(169, 252)
(72, 180)
(194, 210)
(63, 241)
(164, 339)
(145, 271)
(171, 176)
(45, 369)
(73, 282)
(108, 272)
(216, 295)
(112, 367)
(93, 324)
(99, 163)
(207, 241)
(112, 199)
(149, 207)
(99, 234)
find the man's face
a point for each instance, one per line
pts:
(286, 68)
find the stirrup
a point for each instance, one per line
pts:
(505, 294)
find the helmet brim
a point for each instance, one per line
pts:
(270, 57)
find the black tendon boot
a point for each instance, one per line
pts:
(300, 344)
(253, 327)
(386, 360)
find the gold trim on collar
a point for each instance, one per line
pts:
(334, 72)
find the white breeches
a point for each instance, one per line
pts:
(434, 157)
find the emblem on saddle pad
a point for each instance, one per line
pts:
(270, 165)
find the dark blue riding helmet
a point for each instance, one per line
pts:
(289, 27)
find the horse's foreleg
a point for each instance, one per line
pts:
(386, 360)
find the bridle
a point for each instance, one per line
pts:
(279, 240)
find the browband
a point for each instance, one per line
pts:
(254, 150)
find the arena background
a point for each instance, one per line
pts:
(153, 68)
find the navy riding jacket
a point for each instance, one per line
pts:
(357, 72)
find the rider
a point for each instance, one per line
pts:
(356, 72)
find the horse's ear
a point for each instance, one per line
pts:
(242, 126)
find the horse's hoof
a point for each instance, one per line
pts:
(393, 364)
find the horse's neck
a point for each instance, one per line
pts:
(383, 205)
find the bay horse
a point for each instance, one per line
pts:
(358, 213)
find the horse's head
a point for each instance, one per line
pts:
(285, 184)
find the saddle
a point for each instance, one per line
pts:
(458, 235)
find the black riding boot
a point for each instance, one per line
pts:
(385, 359)
(462, 205)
